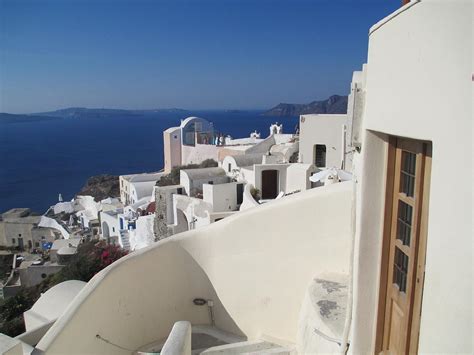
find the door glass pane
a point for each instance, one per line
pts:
(404, 222)
(400, 269)
(407, 178)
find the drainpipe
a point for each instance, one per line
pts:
(343, 147)
(347, 324)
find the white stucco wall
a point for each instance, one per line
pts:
(222, 197)
(322, 129)
(143, 235)
(113, 223)
(213, 262)
(198, 153)
(171, 148)
(419, 86)
(247, 174)
(297, 177)
(197, 211)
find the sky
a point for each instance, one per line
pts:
(195, 54)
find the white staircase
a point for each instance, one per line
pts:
(125, 239)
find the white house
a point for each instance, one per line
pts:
(136, 186)
(322, 140)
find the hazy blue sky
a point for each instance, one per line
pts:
(187, 54)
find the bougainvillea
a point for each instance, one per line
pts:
(91, 258)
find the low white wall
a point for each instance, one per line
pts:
(256, 266)
(297, 177)
(198, 153)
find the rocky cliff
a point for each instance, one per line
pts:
(334, 104)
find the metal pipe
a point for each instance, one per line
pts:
(210, 305)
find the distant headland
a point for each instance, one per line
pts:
(335, 104)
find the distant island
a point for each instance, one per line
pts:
(334, 104)
(80, 112)
(13, 118)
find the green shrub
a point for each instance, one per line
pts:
(173, 177)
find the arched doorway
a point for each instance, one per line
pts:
(182, 222)
(269, 184)
(105, 230)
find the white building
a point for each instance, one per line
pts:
(136, 186)
(382, 263)
(322, 140)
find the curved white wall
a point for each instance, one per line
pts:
(257, 264)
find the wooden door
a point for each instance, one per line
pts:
(406, 241)
(269, 184)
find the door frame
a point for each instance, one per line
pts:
(420, 257)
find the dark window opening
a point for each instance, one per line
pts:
(320, 155)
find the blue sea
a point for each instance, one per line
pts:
(39, 160)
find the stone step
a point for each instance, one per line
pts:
(245, 347)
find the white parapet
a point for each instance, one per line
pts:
(255, 265)
(179, 340)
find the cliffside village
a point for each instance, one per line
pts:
(280, 255)
(238, 174)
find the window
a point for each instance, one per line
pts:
(210, 182)
(400, 270)
(113, 229)
(404, 222)
(43, 237)
(175, 136)
(407, 171)
(229, 168)
(13, 241)
(320, 155)
(37, 244)
(19, 235)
